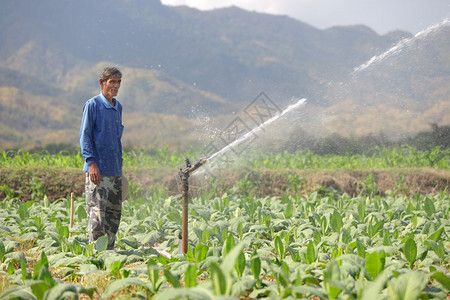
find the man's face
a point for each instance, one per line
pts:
(110, 87)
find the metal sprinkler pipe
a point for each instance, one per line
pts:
(184, 172)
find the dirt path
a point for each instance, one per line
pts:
(60, 182)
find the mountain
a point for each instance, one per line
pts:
(403, 90)
(179, 61)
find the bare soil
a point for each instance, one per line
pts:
(61, 182)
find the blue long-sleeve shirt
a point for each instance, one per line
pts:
(100, 135)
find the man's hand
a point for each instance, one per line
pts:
(94, 173)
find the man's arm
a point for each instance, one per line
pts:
(87, 142)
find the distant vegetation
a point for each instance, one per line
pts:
(437, 136)
(405, 157)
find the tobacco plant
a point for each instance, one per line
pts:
(318, 245)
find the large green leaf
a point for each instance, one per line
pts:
(101, 244)
(442, 279)
(374, 227)
(81, 213)
(435, 236)
(112, 262)
(63, 231)
(87, 269)
(17, 256)
(410, 251)
(62, 291)
(407, 286)
(230, 260)
(218, 278)
(42, 263)
(375, 263)
(153, 273)
(205, 236)
(331, 277)
(24, 271)
(45, 275)
(200, 252)
(76, 247)
(438, 248)
(18, 292)
(361, 211)
(311, 253)
(190, 276)
(255, 265)
(228, 244)
(336, 221)
(121, 284)
(279, 246)
(244, 284)
(175, 217)
(197, 293)
(240, 264)
(429, 206)
(23, 210)
(361, 250)
(373, 290)
(70, 261)
(171, 279)
(29, 236)
(39, 288)
(324, 224)
(309, 291)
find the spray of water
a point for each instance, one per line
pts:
(204, 127)
(251, 133)
(396, 49)
(401, 45)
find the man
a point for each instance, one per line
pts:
(101, 146)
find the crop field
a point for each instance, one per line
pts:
(319, 244)
(405, 157)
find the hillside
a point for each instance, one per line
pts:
(401, 91)
(180, 64)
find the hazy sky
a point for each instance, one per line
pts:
(381, 15)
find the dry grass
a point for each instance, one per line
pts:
(60, 182)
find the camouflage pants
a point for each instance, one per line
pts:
(104, 208)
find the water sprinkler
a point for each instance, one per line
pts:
(184, 172)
